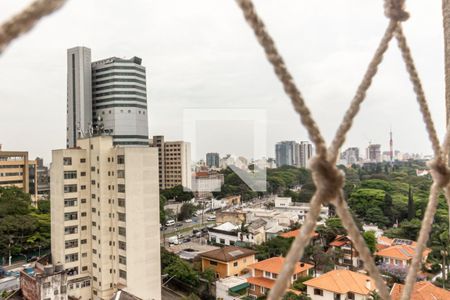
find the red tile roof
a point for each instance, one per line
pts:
(401, 252)
(343, 281)
(294, 233)
(275, 264)
(423, 290)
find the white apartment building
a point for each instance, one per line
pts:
(174, 163)
(105, 215)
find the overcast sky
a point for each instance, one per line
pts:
(201, 54)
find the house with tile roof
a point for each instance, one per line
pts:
(340, 285)
(400, 254)
(423, 290)
(227, 261)
(265, 272)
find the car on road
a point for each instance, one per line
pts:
(188, 221)
(178, 224)
(170, 223)
(211, 218)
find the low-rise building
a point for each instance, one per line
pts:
(231, 288)
(265, 273)
(228, 261)
(422, 290)
(235, 217)
(231, 234)
(400, 255)
(349, 257)
(48, 282)
(340, 284)
(17, 170)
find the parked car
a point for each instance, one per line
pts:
(188, 221)
(170, 222)
(211, 218)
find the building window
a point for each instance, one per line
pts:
(318, 292)
(121, 216)
(82, 160)
(70, 229)
(82, 187)
(71, 257)
(222, 241)
(337, 296)
(122, 274)
(120, 173)
(122, 245)
(122, 260)
(120, 159)
(70, 188)
(121, 202)
(350, 296)
(84, 268)
(83, 214)
(121, 188)
(122, 231)
(70, 216)
(235, 264)
(70, 174)
(71, 244)
(84, 227)
(70, 202)
(67, 161)
(84, 241)
(83, 201)
(213, 263)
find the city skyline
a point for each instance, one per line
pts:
(224, 67)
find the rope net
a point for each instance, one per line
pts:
(327, 178)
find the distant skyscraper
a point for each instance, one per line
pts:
(303, 153)
(79, 94)
(391, 147)
(106, 97)
(212, 160)
(350, 155)
(373, 153)
(284, 153)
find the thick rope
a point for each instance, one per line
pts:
(361, 92)
(358, 241)
(283, 74)
(26, 20)
(446, 26)
(421, 242)
(297, 248)
(418, 89)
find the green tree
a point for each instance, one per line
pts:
(371, 240)
(187, 210)
(162, 212)
(387, 208)
(183, 272)
(411, 206)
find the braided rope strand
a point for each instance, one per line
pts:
(283, 74)
(297, 248)
(344, 214)
(421, 242)
(26, 20)
(418, 89)
(361, 92)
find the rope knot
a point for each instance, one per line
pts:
(395, 10)
(440, 172)
(328, 179)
